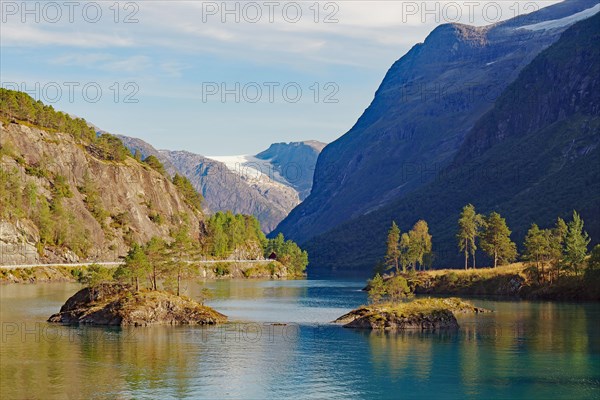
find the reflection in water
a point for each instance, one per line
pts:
(523, 349)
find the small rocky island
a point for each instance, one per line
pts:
(119, 304)
(421, 314)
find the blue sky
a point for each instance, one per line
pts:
(161, 66)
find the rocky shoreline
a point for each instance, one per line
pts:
(269, 269)
(420, 314)
(118, 304)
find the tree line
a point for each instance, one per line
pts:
(409, 250)
(561, 248)
(173, 260)
(20, 107)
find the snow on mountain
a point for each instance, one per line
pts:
(562, 22)
(252, 169)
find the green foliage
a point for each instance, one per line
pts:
(397, 288)
(576, 242)
(109, 147)
(288, 253)
(154, 163)
(57, 226)
(594, 260)
(23, 108)
(61, 188)
(228, 232)
(469, 225)
(222, 269)
(562, 248)
(495, 240)
(190, 195)
(92, 200)
(408, 250)
(376, 289)
(181, 252)
(451, 277)
(135, 267)
(420, 243)
(392, 289)
(94, 275)
(392, 255)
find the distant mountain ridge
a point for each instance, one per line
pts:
(268, 185)
(421, 114)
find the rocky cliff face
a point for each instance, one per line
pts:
(533, 157)
(268, 185)
(132, 202)
(424, 108)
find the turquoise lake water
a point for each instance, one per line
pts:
(527, 350)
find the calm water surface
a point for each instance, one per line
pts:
(523, 350)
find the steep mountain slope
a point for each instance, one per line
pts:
(145, 149)
(419, 117)
(268, 185)
(61, 201)
(294, 162)
(533, 157)
(239, 189)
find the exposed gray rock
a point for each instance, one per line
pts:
(267, 186)
(17, 243)
(115, 304)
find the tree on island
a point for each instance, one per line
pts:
(393, 289)
(155, 253)
(594, 260)
(181, 253)
(136, 266)
(94, 277)
(576, 242)
(397, 288)
(406, 256)
(563, 247)
(495, 240)
(392, 255)
(420, 243)
(376, 289)
(469, 225)
(537, 248)
(408, 250)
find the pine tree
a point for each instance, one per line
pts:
(576, 243)
(136, 265)
(392, 254)
(495, 240)
(155, 250)
(594, 260)
(182, 253)
(377, 289)
(537, 247)
(557, 237)
(420, 242)
(469, 225)
(406, 254)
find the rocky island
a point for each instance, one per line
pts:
(420, 314)
(119, 304)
